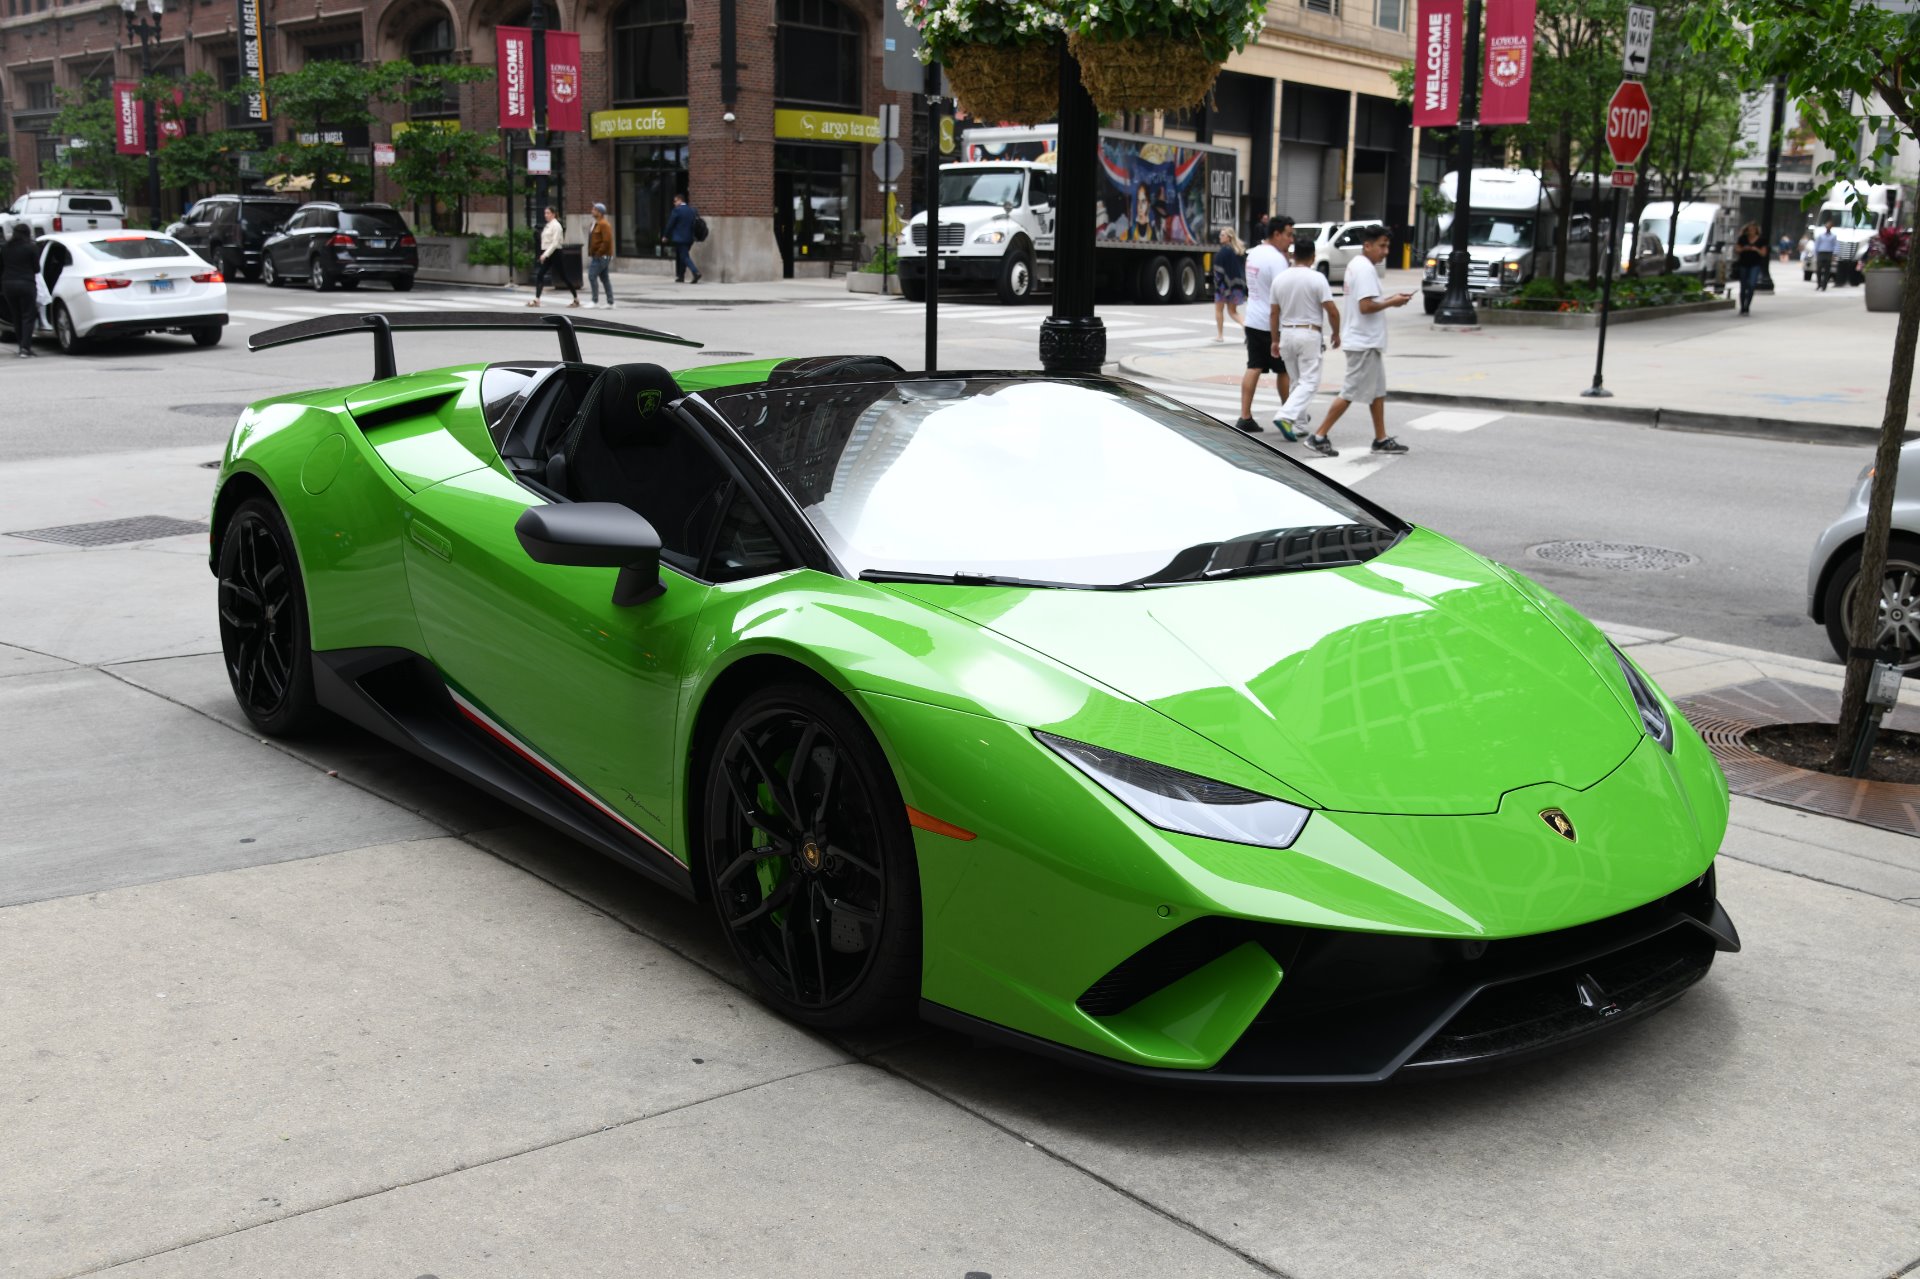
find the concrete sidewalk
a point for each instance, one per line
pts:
(315, 1009)
(1802, 361)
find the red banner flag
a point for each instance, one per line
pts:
(563, 82)
(129, 119)
(173, 123)
(1436, 65)
(1509, 84)
(513, 48)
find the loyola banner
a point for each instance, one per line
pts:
(129, 119)
(1436, 65)
(1509, 83)
(563, 82)
(513, 51)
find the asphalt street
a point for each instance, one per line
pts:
(1739, 515)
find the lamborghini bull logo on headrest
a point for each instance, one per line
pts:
(647, 402)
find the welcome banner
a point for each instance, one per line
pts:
(129, 119)
(513, 49)
(1436, 65)
(1509, 81)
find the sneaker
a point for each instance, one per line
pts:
(1389, 445)
(1248, 425)
(1286, 430)
(1322, 445)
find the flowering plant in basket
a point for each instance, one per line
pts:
(999, 54)
(1156, 55)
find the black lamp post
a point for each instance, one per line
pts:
(1457, 306)
(537, 21)
(146, 29)
(1073, 339)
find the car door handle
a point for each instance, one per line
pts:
(431, 540)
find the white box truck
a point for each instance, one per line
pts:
(1854, 226)
(1159, 207)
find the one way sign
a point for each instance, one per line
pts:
(1638, 51)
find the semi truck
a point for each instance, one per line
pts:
(1510, 236)
(1159, 207)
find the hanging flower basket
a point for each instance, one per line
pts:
(1143, 74)
(1017, 84)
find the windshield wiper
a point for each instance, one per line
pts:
(886, 575)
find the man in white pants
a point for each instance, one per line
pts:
(1303, 313)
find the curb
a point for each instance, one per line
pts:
(1660, 419)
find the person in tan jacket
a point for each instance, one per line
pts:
(600, 256)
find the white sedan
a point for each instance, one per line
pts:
(108, 284)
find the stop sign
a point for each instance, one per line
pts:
(1629, 122)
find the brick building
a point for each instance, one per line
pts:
(777, 160)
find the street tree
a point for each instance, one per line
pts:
(1701, 115)
(443, 167)
(1833, 54)
(87, 158)
(323, 99)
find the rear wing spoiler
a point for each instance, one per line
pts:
(382, 327)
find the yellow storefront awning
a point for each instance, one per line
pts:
(638, 122)
(825, 126)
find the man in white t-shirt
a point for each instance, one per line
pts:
(1265, 263)
(1365, 343)
(1303, 314)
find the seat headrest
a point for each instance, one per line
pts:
(630, 401)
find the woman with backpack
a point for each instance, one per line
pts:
(684, 226)
(1229, 282)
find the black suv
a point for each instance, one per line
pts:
(338, 245)
(228, 230)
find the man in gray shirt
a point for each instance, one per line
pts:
(1824, 246)
(1302, 313)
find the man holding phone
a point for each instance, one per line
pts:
(1364, 339)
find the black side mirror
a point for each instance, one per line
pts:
(596, 535)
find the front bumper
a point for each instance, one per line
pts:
(1360, 1008)
(970, 269)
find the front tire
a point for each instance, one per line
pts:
(71, 343)
(264, 637)
(269, 274)
(1899, 631)
(1015, 285)
(1431, 302)
(809, 862)
(913, 290)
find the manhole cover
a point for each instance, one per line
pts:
(210, 410)
(139, 528)
(727, 353)
(1624, 557)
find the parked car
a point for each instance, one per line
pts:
(1334, 245)
(1834, 573)
(229, 230)
(52, 210)
(338, 245)
(121, 283)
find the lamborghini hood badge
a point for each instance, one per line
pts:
(1561, 824)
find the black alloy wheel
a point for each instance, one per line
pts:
(809, 861)
(263, 621)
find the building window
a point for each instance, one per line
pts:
(340, 51)
(817, 194)
(1321, 6)
(649, 50)
(1391, 14)
(431, 45)
(817, 55)
(40, 96)
(645, 177)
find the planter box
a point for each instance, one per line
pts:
(444, 258)
(1883, 288)
(866, 282)
(1493, 317)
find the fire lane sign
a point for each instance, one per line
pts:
(1629, 122)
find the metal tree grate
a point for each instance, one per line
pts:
(1621, 557)
(138, 528)
(1724, 717)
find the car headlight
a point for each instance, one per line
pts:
(992, 235)
(1432, 263)
(1182, 802)
(1653, 716)
(1513, 267)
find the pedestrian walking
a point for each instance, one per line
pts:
(1750, 260)
(680, 234)
(1229, 282)
(19, 269)
(552, 236)
(1365, 342)
(599, 257)
(1265, 262)
(1825, 245)
(1303, 316)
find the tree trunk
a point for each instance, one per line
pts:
(1563, 218)
(1864, 625)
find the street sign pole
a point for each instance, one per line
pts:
(1629, 127)
(1598, 390)
(933, 216)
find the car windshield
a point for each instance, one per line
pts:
(1689, 235)
(1848, 219)
(259, 215)
(981, 186)
(1044, 482)
(372, 222)
(1490, 230)
(129, 248)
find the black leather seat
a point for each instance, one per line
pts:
(624, 446)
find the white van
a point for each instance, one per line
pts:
(1698, 241)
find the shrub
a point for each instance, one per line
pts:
(491, 250)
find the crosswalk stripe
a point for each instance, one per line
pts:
(1183, 343)
(1447, 420)
(1131, 334)
(255, 315)
(309, 310)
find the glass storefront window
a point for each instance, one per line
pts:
(649, 50)
(645, 177)
(822, 185)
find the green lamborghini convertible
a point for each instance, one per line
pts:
(1045, 707)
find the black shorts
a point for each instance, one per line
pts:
(1260, 352)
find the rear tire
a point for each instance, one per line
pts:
(317, 278)
(264, 637)
(1186, 280)
(403, 284)
(71, 343)
(208, 335)
(1155, 283)
(809, 862)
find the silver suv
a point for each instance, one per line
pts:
(51, 210)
